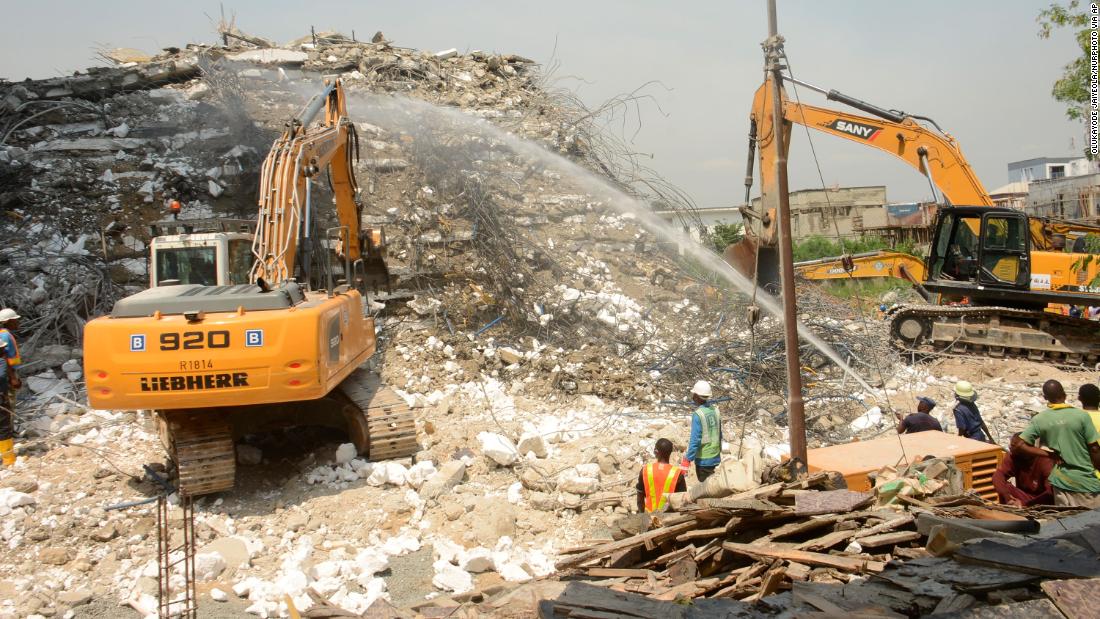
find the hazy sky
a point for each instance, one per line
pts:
(978, 68)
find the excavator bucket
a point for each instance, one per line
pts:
(746, 256)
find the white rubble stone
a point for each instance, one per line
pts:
(871, 419)
(370, 561)
(419, 473)
(448, 476)
(214, 189)
(209, 566)
(393, 473)
(11, 499)
(451, 578)
(345, 453)
(218, 595)
(532, 443)
(573, 483)
(401, 545)
(588, 469)
(509, 355)
(498, 448)
(444, 549)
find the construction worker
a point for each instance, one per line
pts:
(968, 419)
(705, 444)
(1068, 433)
(657, 479)
(173, 207)
(9, 382)
(920, 421)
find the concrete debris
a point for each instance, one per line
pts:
(448, 476)
(498, 448)
(345, 453)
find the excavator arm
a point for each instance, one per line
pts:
(935, 155)
(288, 218)
(871, 264)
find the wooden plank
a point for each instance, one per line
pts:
(685, 590)
(849, 564)
(683, 570)
(888, 539)
(830, 502)
(985, 513)
(1076, 599)
(701, 534)
(828, 540)
(769, 584)
(797, 571)
(670, 557)
(889, 525)
(609, 548)
(617, 572)
(749, 504)
(1050, 558)
(799, 527)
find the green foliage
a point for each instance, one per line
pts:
(816, 247)
(1073, 87)
(1092, 254)
(866, 290)
(725, 234)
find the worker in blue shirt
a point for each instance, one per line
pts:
(705, 444)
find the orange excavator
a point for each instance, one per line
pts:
(216, 361)
(992, 272)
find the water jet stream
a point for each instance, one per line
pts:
(417, 117)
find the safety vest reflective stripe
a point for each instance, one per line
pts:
(660, 480)
(13, 359)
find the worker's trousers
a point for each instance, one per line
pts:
(7, 418)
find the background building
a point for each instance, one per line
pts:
(1047, 168)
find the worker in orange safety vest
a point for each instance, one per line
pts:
(9, 384)
(657, 479)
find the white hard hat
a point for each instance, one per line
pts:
(7, 314)
(701, 389)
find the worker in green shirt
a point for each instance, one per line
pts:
(1069, 433)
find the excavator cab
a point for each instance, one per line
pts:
(983, 246)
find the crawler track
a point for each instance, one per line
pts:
(997, 332)
(201, 442)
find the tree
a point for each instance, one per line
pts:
(1073, 87)
(725, 235)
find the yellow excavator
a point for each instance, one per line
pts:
(217, 360)
(991, 272)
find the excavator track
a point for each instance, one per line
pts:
(200, 442)
(997, 332)
(201, 445)
(387, 430)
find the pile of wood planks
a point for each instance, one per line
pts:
(752, 544)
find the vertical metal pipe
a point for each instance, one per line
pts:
(796, 414)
